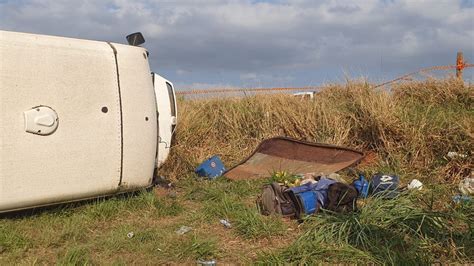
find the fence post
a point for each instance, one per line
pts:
(459, 65)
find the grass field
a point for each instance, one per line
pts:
(407, 131)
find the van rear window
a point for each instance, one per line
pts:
(172, 100)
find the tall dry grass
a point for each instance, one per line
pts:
(411, 128)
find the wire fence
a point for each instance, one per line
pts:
(423, 70)
(459, 67)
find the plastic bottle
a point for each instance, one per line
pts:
(226, 223)
(362, 186)
(365, 186)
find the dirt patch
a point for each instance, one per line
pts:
(371, 159)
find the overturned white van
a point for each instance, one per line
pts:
(78, 119)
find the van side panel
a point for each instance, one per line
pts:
(82, 158)
(138, 116)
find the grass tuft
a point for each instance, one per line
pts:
(198, 248)
(11, 239)
(76, 256)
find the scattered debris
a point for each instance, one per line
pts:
(130, 235)
(211, 168)
(162, 182)
(294, 156)
(172, 194)
(183, 230)
(206, 263)
(308, 181)
(466, 186)
(454, 155)
(337, 177)
(461, 199)
(226, 223)
(415, 184)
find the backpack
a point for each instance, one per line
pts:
(273, 200)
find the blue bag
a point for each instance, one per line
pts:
(321, 190)
(308, 201)
(310, 197)
(304, 199)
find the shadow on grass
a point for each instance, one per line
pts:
(105, 206)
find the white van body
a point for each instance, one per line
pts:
(167, 115)
(78, 120)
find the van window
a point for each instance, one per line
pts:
(172, 100)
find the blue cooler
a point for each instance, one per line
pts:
(211, 168)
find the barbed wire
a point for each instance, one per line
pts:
(243, 90)
(426, 69)
(315, 88)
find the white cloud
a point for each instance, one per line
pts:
(267, 39)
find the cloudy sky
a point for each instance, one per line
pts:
(244, 43)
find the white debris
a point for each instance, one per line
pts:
(454, 155)
(226, 223)
(183, 230)
(466, 186)
(415, 184)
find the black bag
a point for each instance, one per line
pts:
(298, 205)
(341, 198)
(385, 186)
(273, 200)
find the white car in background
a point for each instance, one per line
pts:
(305, 94)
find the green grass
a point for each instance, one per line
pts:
(420, 227)
(11, 240)
(76, 256)
(198, 248)
(95, 232)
